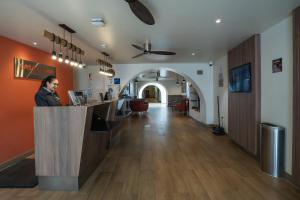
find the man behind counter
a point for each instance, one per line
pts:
(46, 95)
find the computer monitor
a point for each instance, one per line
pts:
(101, 96)
(73, 98)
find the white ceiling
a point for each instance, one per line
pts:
(183, 26)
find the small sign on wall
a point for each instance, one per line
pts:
(277, 65)
(221, 79)
(117, 81)
(26, 69)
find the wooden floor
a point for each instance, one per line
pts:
(164, 155)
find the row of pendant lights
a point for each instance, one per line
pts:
(71, 61)
(76, 52)
(105, 67)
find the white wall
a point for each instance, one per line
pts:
(276, 88)
(202, 83)
(89, 78)
(221, 67)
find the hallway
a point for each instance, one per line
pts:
(165, 155)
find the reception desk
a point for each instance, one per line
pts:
(70, 142)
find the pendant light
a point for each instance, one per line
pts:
(65, 46)
(80, 65)
(67, 61)
(54, 57)
(75, 62)
(60, 56)
(72, 60)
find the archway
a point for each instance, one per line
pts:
(206, 82)
(163, 91)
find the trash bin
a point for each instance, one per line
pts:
(272, 149)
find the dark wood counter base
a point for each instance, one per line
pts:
(70, 143)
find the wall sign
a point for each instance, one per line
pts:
(221, 80)
(26, 69)
(277, 65)
(117, 81)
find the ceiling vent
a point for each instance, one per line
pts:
(200, 72)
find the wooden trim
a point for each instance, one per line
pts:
(296, 96)
(16, 159)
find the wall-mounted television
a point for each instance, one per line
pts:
(240, 78)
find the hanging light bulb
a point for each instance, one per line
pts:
(72, 59)
(67, 61)
(75, 62)
(72, 51)
(60, 59)
(65, 45)
(60, 55)
(80, 65)
(54, 57)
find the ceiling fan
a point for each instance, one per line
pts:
(147, 50)
(141, 11)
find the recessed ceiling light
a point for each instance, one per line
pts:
(97, 22)
(34, 43)
(103, 46)
(193, 54)
(218, 21)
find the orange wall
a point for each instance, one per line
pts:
(17, 97)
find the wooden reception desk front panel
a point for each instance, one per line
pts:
(67, 151)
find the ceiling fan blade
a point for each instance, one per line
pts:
(138, 55)
(141, 12)
(138, 47)
(162, 52)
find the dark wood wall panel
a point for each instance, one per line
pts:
(244, 108)
(296, 96)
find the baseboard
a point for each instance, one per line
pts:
(290, 179)
(16, 159)
(208, 126)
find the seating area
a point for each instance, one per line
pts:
(178, 103)
(183, 106)
(139, 105)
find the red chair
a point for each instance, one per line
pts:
(183, 106)
(138, 105)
